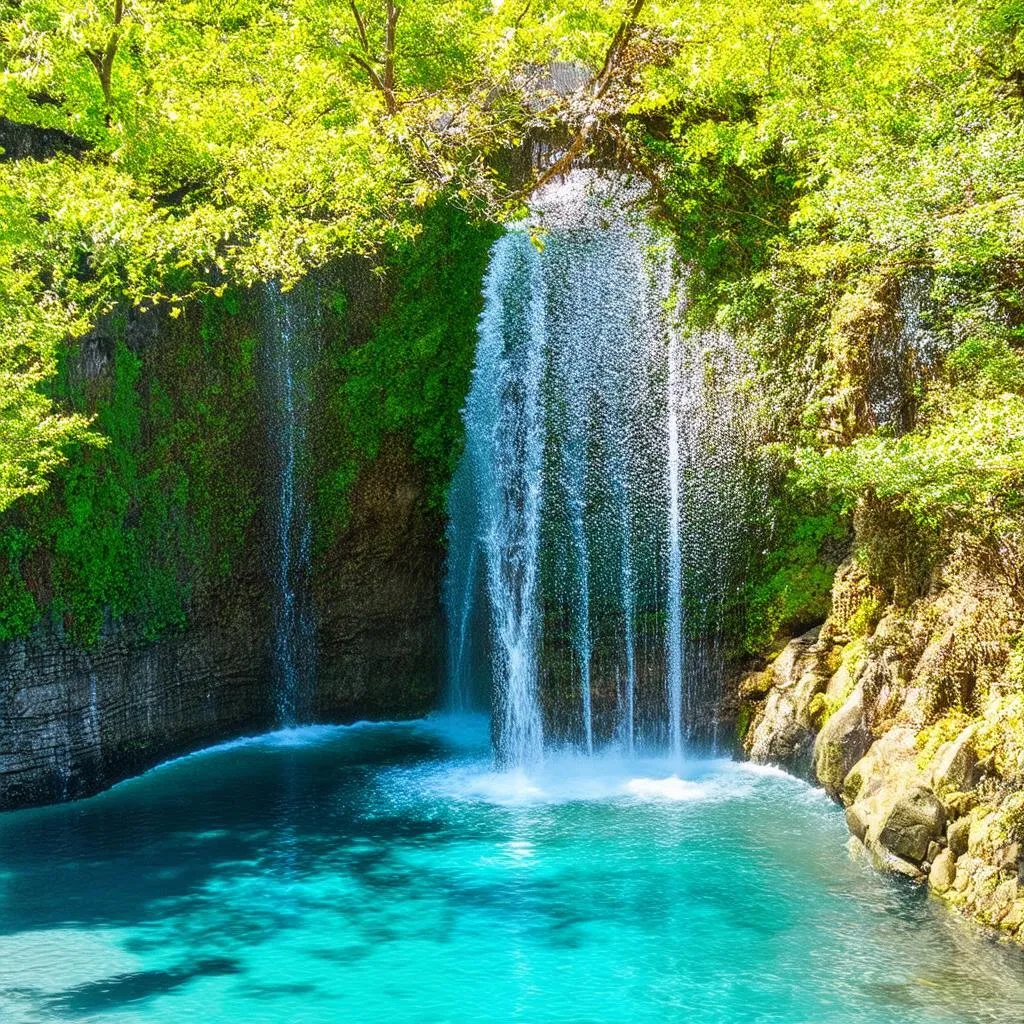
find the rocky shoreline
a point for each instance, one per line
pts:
(912, 718)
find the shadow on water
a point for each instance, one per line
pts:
(336, 870)
(124, 989)
(156, 843)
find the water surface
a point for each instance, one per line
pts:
(386, 873)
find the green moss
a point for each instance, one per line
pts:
(932, 736)
(820, 709)
(789, 586)
(18, 609)
(743, 721)
(863, 621)
(1001, 737)
(133, 529)
(853, 657)
(411, 376)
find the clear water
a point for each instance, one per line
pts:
(387, 874)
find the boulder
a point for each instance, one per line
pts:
(1008, 858)
(943, 872)
(783, 734)
(1001, 902)
(885, 860)
(842, 742)
(889, 766)
(983, 838)
(857, 820)
(913, 821)
(957, 836)
(954, 769)
(1014, 919)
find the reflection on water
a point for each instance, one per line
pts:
(388, 873)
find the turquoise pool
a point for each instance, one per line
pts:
(387, 873)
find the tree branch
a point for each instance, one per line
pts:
(360, 27)
(615, 50)
(375, 79)
(389, 58)
(103, 60)
(384, 84)
(522, 14)
(601, 84)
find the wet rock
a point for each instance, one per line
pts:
(943, 872)
(886, 860)
(888, 767)
(911, 824)
(756, 685)
(857, 821)
(965, 869)
(783, 734)
(1014, 919)
(953, 815)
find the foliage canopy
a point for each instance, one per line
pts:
(814, 159)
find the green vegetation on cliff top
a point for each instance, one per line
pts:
(825, 167)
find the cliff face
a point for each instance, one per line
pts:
(377, 593)
(136, 595)
(911, 715)
(75, 721)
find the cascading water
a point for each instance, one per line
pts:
(286, 350)
(505, 429)
(596, 509)
(902, 353)
(674, 635)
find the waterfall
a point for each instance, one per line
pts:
(674, 595)
(595, 513)
(504, 450)
(902, 353)
(285, 365)
(461, 579)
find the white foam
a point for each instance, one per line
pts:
(568, 778)
(671, 789)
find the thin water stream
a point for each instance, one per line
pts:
(285, 370)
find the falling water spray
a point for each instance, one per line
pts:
(287, 345)
(594, 504)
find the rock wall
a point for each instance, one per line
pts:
(77, 716)
(377, 592)
(74, 722)
(911, 715)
